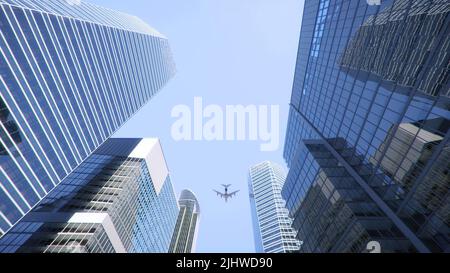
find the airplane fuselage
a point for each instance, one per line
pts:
(225, 195)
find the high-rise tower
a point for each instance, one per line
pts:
(185, 234)
(120, 199)
(71, 73)
(272, 229)
(368, 131)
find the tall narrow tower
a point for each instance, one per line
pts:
(271, 224)
(185, 234)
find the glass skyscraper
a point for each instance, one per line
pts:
(71, 73)
(120, 199)
(367, 143)
(272, 229)
(185, 234)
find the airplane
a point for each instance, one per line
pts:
(225, 194)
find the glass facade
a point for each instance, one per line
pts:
(368, 131)
(110, 203)
(70, 76)
(185, 234)
(272, 229)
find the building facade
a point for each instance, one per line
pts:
(185, 233)
(368, 131)
(120, 199)
(70, 75)
(272, 229)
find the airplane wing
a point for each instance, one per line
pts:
(219, 193)
(232, 193)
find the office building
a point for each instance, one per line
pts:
(120, 199)
(71, 73)
(272, 229)
(185, 233)
(368, 131)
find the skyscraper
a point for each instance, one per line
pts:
(272, 229)
(368, 130)
(120, 199)
(185, 233)
(71, 73)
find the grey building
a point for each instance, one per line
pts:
(184, 237)
(368, 131)
(120, 199)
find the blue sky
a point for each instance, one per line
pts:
(227, 52)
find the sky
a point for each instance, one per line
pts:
(228, 52)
